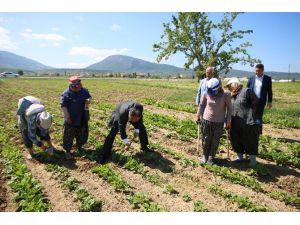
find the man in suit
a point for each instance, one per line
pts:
(261, 84)
(131, 112)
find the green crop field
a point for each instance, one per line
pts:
(171, 178)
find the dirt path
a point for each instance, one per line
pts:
(112, 201)
(288, 134)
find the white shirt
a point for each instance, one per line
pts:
(258, 85)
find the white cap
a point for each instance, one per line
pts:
(45, 120)
(233, 80)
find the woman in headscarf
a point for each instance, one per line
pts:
(214, 105)
(244, 130)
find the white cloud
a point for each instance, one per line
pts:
(5, 41)
(95, 55)
(115, 28)
(94, 52)
(47, 37)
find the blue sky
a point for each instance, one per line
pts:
(76, 40)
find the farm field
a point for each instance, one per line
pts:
(170, 179)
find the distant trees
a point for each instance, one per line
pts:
(20, 72)
(204, 42)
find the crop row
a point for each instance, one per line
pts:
(138, 200)
(243, 202)
(88, 203)
(28, 191)
(269, 148)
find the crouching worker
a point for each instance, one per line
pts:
(34, 123)
(245, 130)
(214, 105)
(74, 104)
(131, 112)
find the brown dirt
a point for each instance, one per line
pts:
(202, 174)
(60, 199)
(112, 201)
(3, 190)
(288, 133)
(169, 112)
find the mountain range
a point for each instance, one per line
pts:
(119, 64)
(12, 61)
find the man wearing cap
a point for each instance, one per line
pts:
(261, 84)
(131, 112)
(215, 105)
(244, 132)
(34, 123)
(74, 104)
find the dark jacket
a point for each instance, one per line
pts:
(244, 108)
(119, 117)
(75, 103)
(266, 89)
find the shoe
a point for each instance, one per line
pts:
(101, 160)
(68, 155)
(210, 161)
(29, 157)
(238, 160)
(147, 149)
(50, 151)
(202, 159)
(252, 164)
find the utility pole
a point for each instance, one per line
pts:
(289, 72)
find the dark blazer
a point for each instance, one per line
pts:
(119, 117)
(266, 89)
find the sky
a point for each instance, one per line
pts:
(76, 40)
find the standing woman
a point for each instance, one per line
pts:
(215, 104)
(244, 131)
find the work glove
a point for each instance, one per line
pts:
(228, 126)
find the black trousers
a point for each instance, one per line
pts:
(107, 147)
(245, 140)
(259, 114)
(81, 135)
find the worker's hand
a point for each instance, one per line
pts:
(198, 119)
(127, 147)
(269, 105)
(136, 133)
(69, 120)
(43, 147)
(228, 126)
